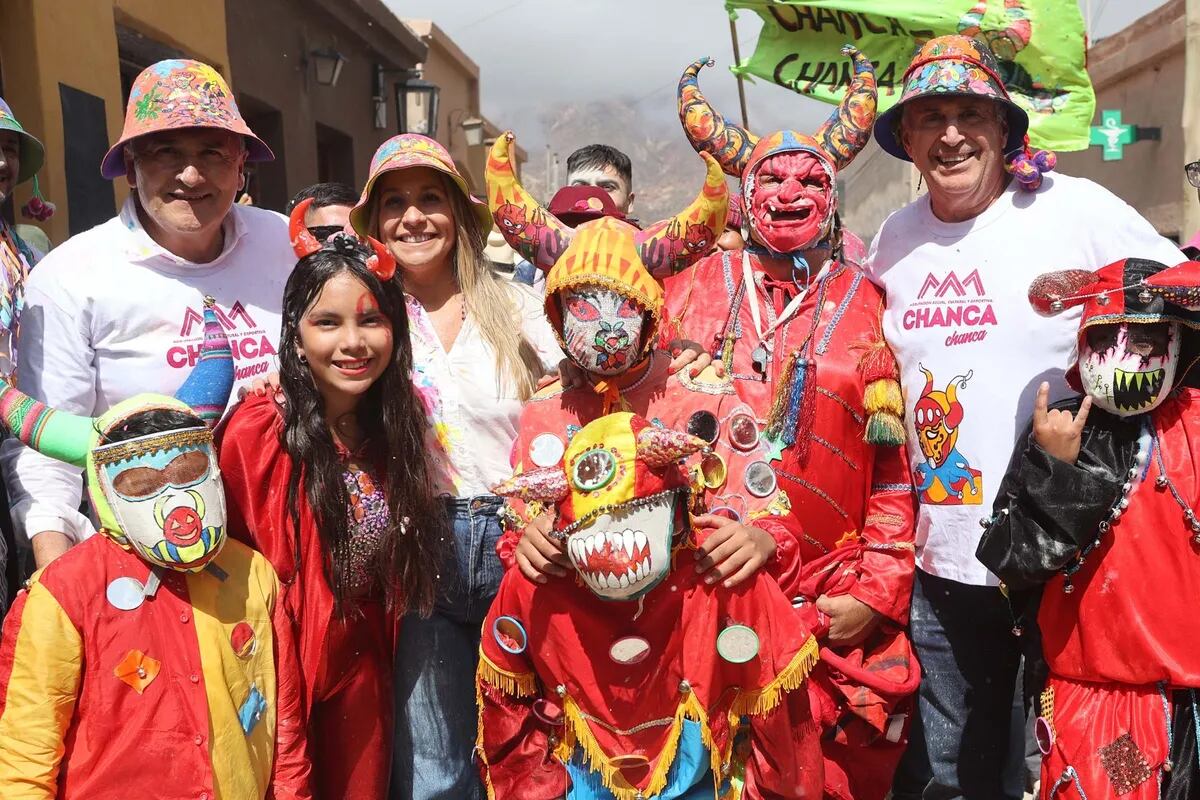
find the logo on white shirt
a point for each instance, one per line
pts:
(952, 302)
(247, 339)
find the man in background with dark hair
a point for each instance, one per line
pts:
(330, 209)
(605, 167)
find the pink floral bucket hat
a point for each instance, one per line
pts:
(948, 66)
(180, 93)
(414, 150)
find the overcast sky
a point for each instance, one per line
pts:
(535, 53)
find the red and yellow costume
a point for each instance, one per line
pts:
(1114, 540)
(155, 659)
(563, 712)
(815, 369)
(346, 661)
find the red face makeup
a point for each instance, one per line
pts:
(790, 201)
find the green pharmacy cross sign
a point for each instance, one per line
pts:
(1112, 135)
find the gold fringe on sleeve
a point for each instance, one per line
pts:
(514, 684)
(762, 701)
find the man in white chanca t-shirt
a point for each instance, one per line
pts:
(956, 265)
(118, 310)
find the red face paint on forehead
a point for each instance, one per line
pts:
(365, 304)
(791, 200)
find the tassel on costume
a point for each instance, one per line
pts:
(885, 405)
(793, 409)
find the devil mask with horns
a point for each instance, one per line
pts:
(1139, 317)
(159, 494)
(621, 497)
(602, 301)
(788, 178)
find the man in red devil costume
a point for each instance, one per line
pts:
(1098, 507)
(606, 308)
(799, 333)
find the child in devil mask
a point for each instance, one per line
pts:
(1097, 508)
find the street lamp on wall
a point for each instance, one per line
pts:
(417, 106)
(328, 63)
(473, 131)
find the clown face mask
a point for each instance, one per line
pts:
(601, 328)
(791, 201)
(1129, 369)
(624, 554)
(165, 492)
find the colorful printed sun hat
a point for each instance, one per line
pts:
(952, 65)
(180, 93)
(413, 150)
(32, 153)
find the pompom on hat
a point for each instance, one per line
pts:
(174, 95)
(413, 150)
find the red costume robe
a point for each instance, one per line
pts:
(849, 496)
(346, 662)
(1123, 640)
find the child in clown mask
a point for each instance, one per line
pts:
(1097, 508)
(155, 659)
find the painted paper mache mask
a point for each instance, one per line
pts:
(1138, 317)
(620, 494)
(787, 176)
(158, 494)
(1129, 369)
(602, 328)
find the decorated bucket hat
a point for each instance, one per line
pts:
(413, 150)
(175, 94)
(32, 153)
(951, 66)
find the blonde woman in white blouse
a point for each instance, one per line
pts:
(479, 344)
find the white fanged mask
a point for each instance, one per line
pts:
(1129, 369)
(602, 329)
(623, 554)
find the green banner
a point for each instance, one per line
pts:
(1039, 44)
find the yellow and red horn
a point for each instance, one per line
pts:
(848, 128)
(707, 129)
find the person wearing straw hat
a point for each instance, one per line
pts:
(955, 265)
(154, 660)
(117, 310)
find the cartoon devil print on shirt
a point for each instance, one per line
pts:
(945, 477)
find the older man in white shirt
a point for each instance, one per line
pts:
(118, 310)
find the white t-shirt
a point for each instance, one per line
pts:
(473, 406)
(110, 314)
(957, 305)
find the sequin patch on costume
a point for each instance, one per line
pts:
(1125, 764)
(138, 670)
(243, 641)
(252, 710)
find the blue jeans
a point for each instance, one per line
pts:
(969, 659)
(436, 718)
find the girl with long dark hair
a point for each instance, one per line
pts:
(331, 483)
(480, 344)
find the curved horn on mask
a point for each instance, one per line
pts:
(528, 228)
(657, 447)
(303, 242)
(707, 129)
(207, 389)
(382, 263)
(689, 235)
(848, 128)
(954, 416)
(66, 437)
(928, 380)
(545, 484)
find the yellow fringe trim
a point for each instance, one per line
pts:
(883, 395)
(763, 701)
(513, 684)
(480, 752)
(577, 733)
